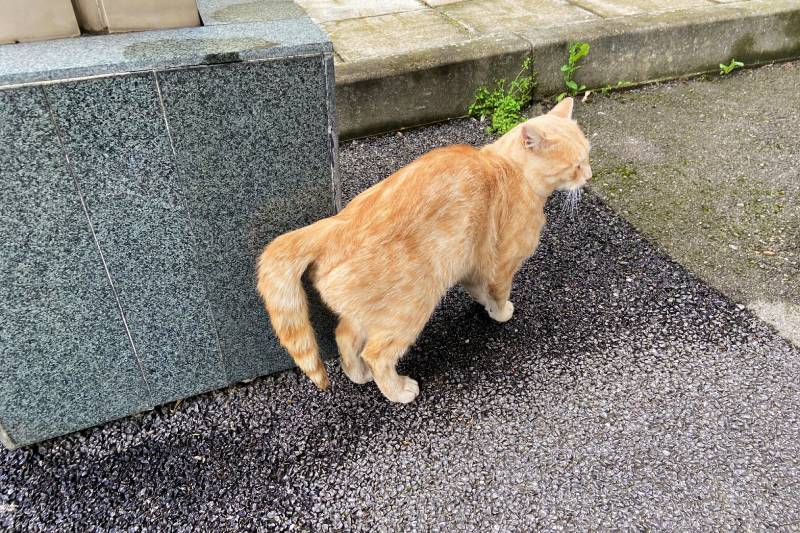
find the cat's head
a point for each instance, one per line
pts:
(556, 151)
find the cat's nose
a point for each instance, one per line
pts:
(588, 173)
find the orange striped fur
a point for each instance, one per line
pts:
(455, 215)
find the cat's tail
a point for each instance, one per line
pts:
(279, 271)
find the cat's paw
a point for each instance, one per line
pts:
(503, 315)
(407, 392)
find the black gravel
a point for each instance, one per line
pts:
(625, 393)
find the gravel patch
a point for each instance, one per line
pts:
(625, 393)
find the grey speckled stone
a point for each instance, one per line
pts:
(254, 154)
(127, 52)
(233, 11)
(116, 138)
(131, 222)
(65, 358)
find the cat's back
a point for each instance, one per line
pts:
(435, 194)
(448, 174)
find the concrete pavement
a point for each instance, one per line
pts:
(710, 169)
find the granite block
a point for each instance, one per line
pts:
(214, 12)
(142, 174)
(129, 52)
(115, 135)
(66, 361)
(252, 142)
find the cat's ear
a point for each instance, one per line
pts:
(564, 108)
(533, 137)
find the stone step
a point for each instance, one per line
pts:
(419, 65)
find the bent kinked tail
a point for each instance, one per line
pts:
(279, 271)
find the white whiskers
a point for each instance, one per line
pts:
(569, 203)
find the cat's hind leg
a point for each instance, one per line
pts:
(382, 353)
(350, 344)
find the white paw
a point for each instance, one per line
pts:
(503, 315)
(408, 391)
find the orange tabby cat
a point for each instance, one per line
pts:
(455, 215)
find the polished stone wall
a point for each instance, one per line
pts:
(140, 176)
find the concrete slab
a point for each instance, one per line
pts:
(711, 171)
(489, 16)
(437, 3)
(660, 46)
(328, 10)
(621, 8)
(393, 34)
(214, 12)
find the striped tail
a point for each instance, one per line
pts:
(279, 271)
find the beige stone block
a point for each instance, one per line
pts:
(487, 16)
(621, 8)
(36, 20)
(438, 3)
(114, 16)
(330, 10)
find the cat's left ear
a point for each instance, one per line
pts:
(564, 108)
(533, 137)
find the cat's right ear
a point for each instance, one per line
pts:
(533, 137)
(564, 108)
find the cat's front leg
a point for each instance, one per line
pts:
(499, 307)
(501, 313)
(498, 310)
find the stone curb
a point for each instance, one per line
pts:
(387, 93)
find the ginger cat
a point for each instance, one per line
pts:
(458, 214)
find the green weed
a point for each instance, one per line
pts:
(577, 51)
(620, 85)
(730, 67)
(504, 107)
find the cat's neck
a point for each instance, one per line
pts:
(511, 148)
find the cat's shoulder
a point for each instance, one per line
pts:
(453, 156)
(453, 150)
